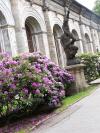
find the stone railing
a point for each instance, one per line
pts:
(80, 9)
(75, 7)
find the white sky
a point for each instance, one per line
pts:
(87, 3)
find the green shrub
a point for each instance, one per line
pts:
(30, 80)
(90, 69)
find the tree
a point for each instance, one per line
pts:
(97, 7)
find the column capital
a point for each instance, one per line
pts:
(44, 7)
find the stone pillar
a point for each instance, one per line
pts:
(12, 40)
(99, 39)
(93, 39)
(8, 40)
(58, 50)
(61, 54)
(19, 30)
(50, 37)
(46, 45)
(83, 37)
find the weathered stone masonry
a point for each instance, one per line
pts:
(36, 25)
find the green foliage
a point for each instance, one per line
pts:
(90, 69)
(28, 81)
(97, 7)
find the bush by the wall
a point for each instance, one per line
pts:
(29, 80)
(90, 61)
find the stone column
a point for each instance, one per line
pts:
(19, 30)
(46, 45)
(83, 37)
(58, 49)
(99, 39)
(8, 40)
(2, 47)
(12, 40)
(93, 39)
(62, 56)
(50, 37)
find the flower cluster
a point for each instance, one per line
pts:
(30, 79)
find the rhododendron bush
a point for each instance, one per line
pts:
(29, 80)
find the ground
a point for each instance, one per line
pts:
(82, 117)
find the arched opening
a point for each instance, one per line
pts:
(29, 38)
(77, 43)
(34, 35)
(4, 37)
(57, 32)
(88, 43)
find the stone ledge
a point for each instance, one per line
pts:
(77, 66)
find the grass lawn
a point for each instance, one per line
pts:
(74, 98)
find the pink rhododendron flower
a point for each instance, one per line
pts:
(37, 92)
(35, 84)
(47, 81)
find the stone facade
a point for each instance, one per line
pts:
(36, 25)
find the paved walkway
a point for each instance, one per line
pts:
(97, 81)
(82, 117)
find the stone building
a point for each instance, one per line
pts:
(36, 25)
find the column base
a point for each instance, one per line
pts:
(78, 72)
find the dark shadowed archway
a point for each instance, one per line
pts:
(57, 32)
(88, 43)
(77, 43)
(34, 35)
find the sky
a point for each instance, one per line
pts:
(87, 3)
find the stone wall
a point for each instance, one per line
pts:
(43, 17)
